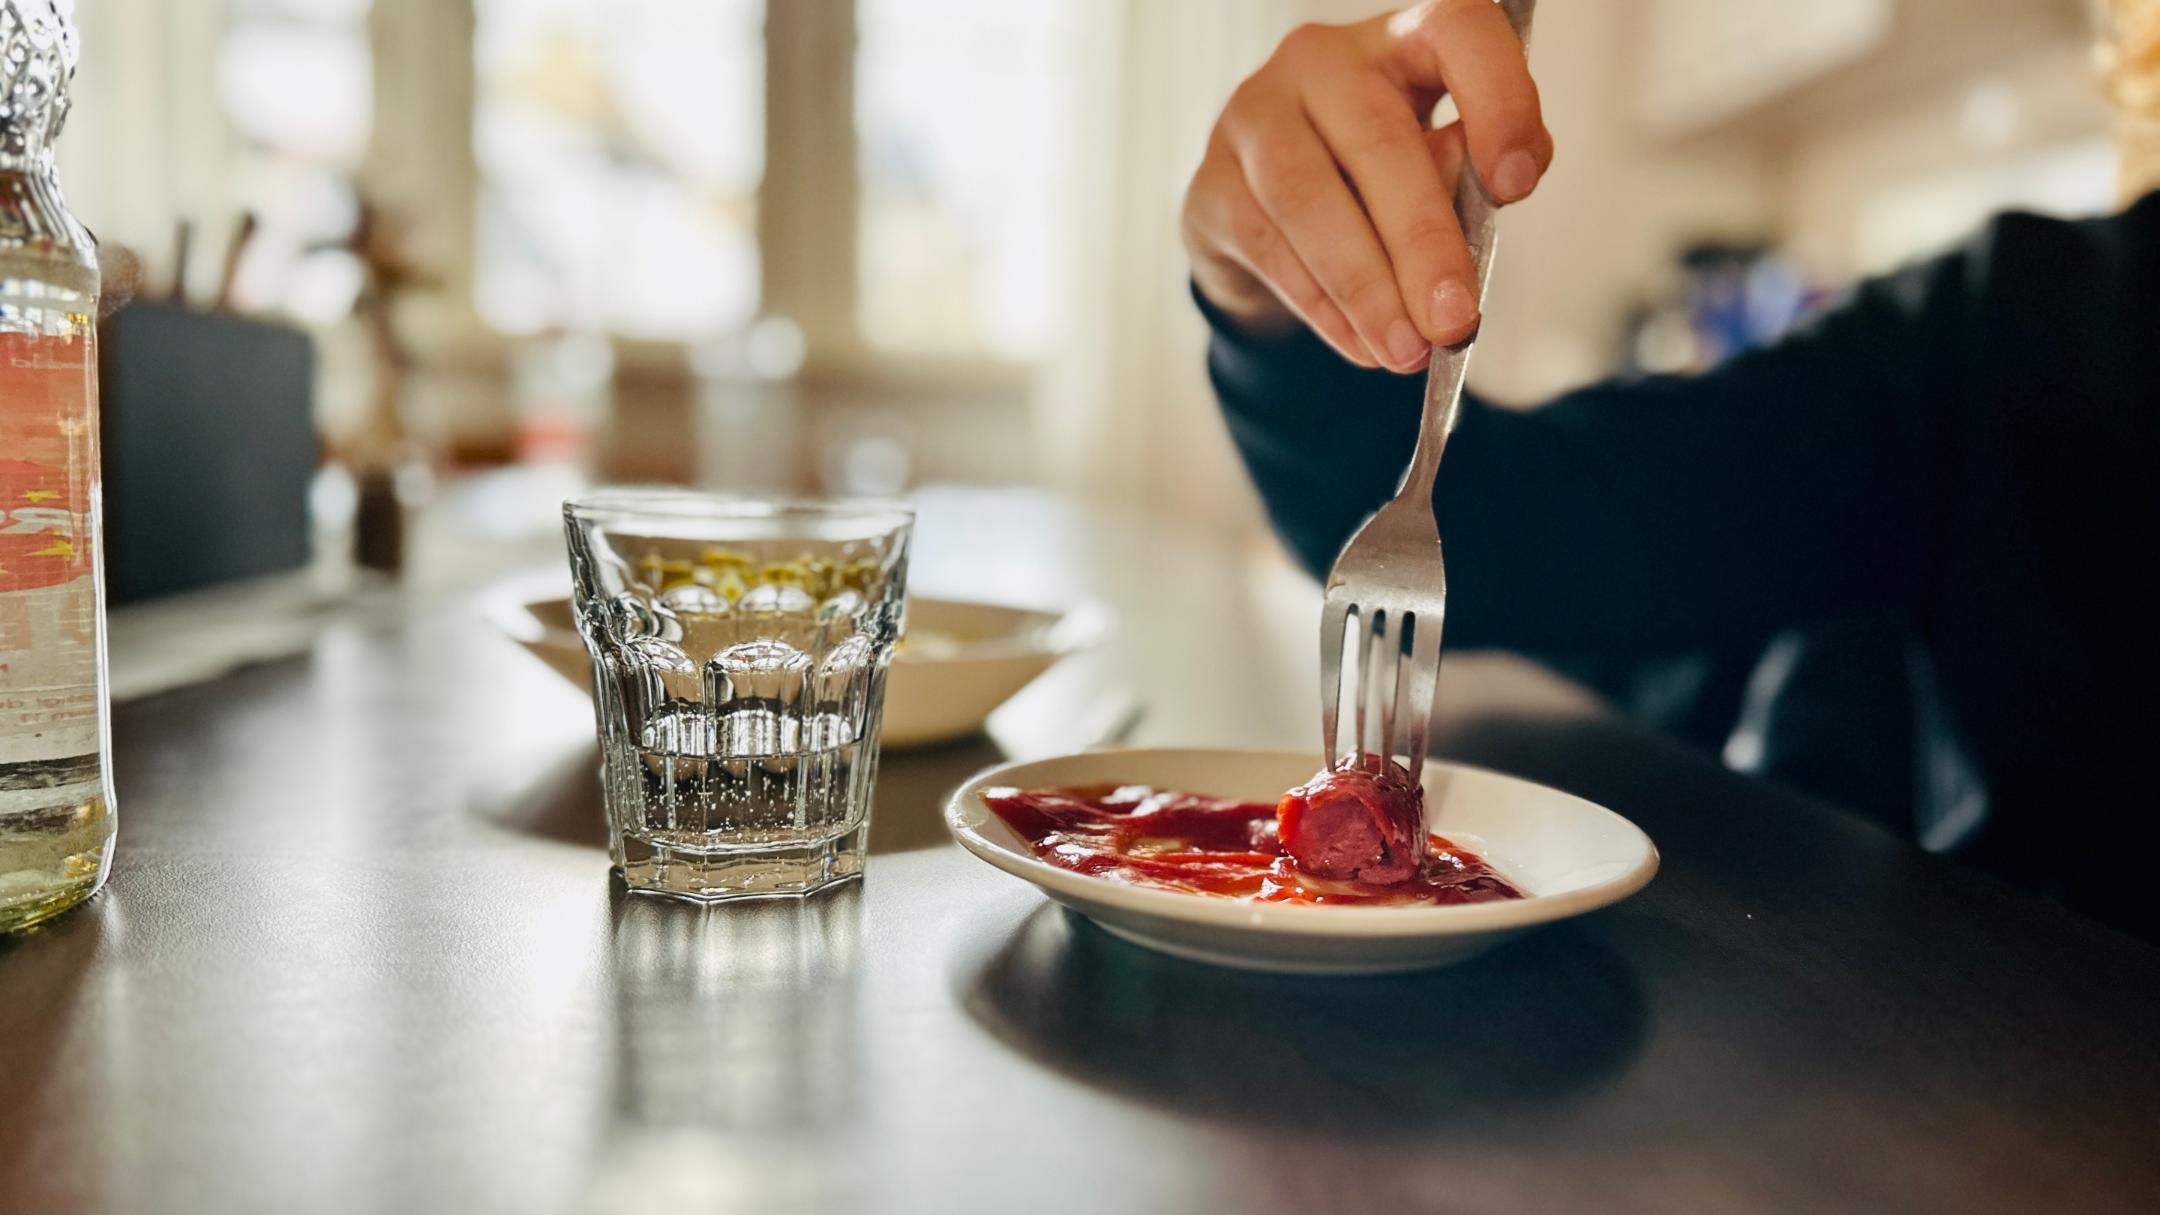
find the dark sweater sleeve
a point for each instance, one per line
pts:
(1644, 517)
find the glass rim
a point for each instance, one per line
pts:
(628, 502)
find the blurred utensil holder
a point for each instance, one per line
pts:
(209, 436)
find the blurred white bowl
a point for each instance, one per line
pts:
(959, 662)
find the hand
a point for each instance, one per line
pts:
(1323, 198)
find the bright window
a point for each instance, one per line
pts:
(963, 113)
(296, 80)
(623, 165)
(620, 148)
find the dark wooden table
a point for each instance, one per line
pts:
(360, 953)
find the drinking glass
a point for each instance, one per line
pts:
(739, 650)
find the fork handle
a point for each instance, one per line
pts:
(1475, 208)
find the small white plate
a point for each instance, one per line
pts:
(967, 659)
(1567, 855)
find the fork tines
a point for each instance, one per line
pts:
(1398, 668)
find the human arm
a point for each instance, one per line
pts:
(1792, 484)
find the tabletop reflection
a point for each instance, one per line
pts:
(737, 1055)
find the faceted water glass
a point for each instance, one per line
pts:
(739, 651)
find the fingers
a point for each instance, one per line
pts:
(1445, 144)
(1294, 178)
(1231, 223)
(1468, 49)
(1375, 136)
(1321, 188)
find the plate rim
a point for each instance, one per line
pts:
(1059, 632)
(1365, 923)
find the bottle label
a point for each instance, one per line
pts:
(49, 644)
(39, 521)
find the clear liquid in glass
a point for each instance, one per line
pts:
(738, 678)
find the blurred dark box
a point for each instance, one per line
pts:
(209, 434)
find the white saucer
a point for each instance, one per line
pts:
(1568, 855)
(935, 691)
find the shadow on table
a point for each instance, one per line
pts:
(912, 785)
(1537, 1023)
(561, 800)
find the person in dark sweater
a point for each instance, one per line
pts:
(1969, 448)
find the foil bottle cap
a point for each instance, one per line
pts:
(37, 63)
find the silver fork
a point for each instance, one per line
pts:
(1390, 578)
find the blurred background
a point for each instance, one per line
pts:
(864, 246)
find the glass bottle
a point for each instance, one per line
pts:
(56, 808)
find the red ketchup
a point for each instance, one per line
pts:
(1229, 849)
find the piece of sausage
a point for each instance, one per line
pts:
(1361, 823)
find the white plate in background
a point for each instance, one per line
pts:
(964, 661)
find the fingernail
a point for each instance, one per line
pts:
(1454, 309)
(1404, 346)
(1516, 176)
